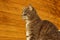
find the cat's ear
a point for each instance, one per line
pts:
(30, 7)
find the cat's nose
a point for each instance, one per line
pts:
(22, 15)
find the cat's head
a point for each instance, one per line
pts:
(28, 13)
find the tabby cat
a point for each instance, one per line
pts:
(37, 29)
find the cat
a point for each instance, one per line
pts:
(37, 29)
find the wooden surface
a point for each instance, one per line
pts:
(12, 26)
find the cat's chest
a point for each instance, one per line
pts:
(27, 24)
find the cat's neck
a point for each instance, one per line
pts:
(34, 19)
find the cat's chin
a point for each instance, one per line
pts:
(25, 19)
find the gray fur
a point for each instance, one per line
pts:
(37, 29)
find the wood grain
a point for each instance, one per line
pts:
(12, 26)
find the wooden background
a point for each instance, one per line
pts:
(12, 26)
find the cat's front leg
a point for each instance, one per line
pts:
(29, 36)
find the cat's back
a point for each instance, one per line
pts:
(49, 31)
(49, 25)
(52, 36)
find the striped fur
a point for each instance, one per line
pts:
(37, 29)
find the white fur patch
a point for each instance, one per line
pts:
(58, 30)
(27, 22)
(28, 38)
(27, 34)
(27, 27)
